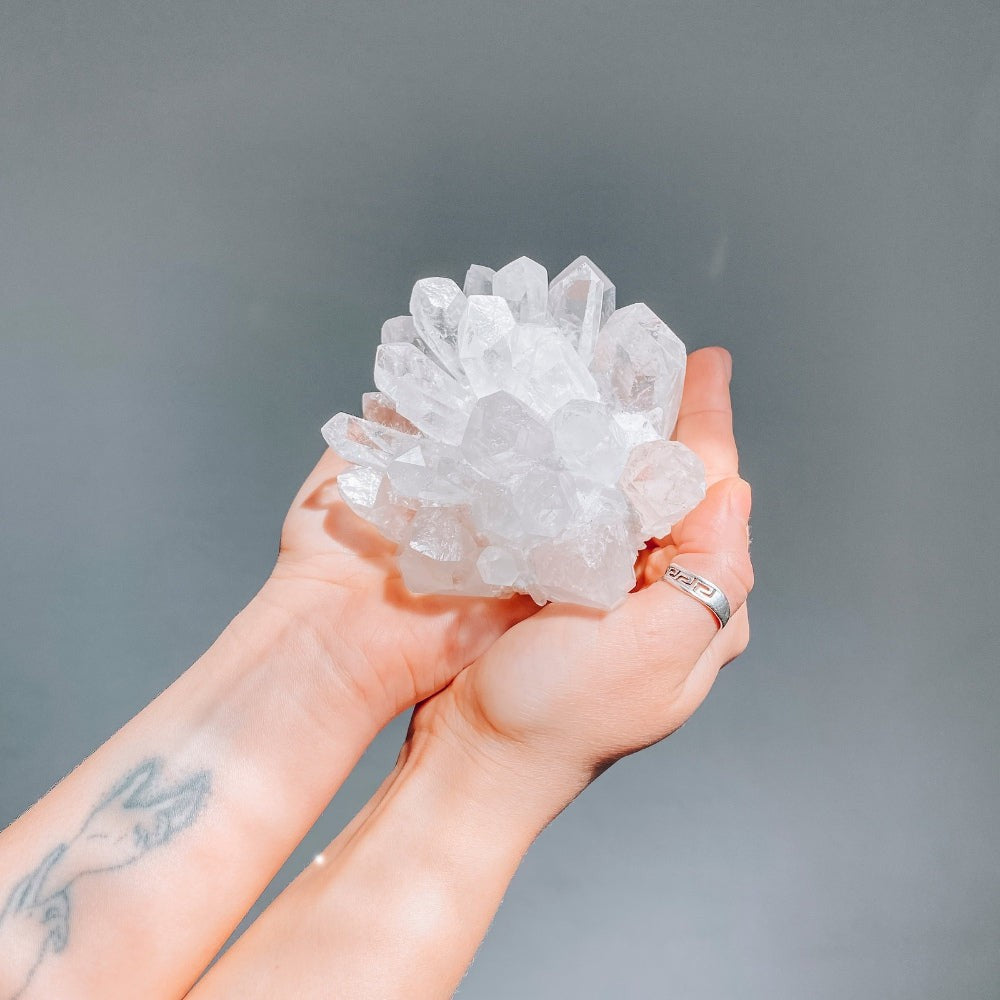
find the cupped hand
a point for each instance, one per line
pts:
(567, 692)
(337, 575)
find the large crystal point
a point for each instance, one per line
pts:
(525, 285)
(639, 364)
(402, 330)
(581, 298)
(519, 437)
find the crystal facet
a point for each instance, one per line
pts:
(519, 437)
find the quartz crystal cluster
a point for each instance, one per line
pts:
(519, 440)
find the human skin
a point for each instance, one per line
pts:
(398, 903)
(127, 878)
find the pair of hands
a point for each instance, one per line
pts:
(556, 694)
(517, 709)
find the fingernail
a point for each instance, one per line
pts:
(739, 500)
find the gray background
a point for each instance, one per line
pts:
(207, 209)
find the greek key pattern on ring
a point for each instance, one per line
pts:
(701, 590)
(696, 585)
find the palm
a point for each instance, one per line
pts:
(569, 670)
(339, 565)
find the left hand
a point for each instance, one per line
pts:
(338, 576)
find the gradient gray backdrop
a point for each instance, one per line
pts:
(206, 211)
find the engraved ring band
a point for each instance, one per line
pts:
(701, 590)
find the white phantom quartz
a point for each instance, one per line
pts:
(520, 437)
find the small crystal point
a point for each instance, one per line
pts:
(364, 442)
(478, 280)
(377, 407)
(639, 364)
(662, 480)
(524, 283)
(436, 306)
(581, 298)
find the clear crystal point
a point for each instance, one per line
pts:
(364, 442)
(639, 364)
(484, 341)
(524, 283)
(436, 305)
(377, 407)
(581, 298)
(478, 280)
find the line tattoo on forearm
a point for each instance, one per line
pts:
(139, 814)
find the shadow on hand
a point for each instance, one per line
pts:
(352, 534)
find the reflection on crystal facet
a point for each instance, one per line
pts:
(519, 440)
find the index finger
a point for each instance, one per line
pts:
(705, 421)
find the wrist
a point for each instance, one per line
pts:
(269, 674)
(496, 782)
(316, 627)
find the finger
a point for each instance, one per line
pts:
(705, 421)
(712, 542)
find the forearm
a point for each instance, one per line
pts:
(128, 876)
(400, 901)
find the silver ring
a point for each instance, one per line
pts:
(701, 590)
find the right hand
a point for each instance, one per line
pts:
(564, 694)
